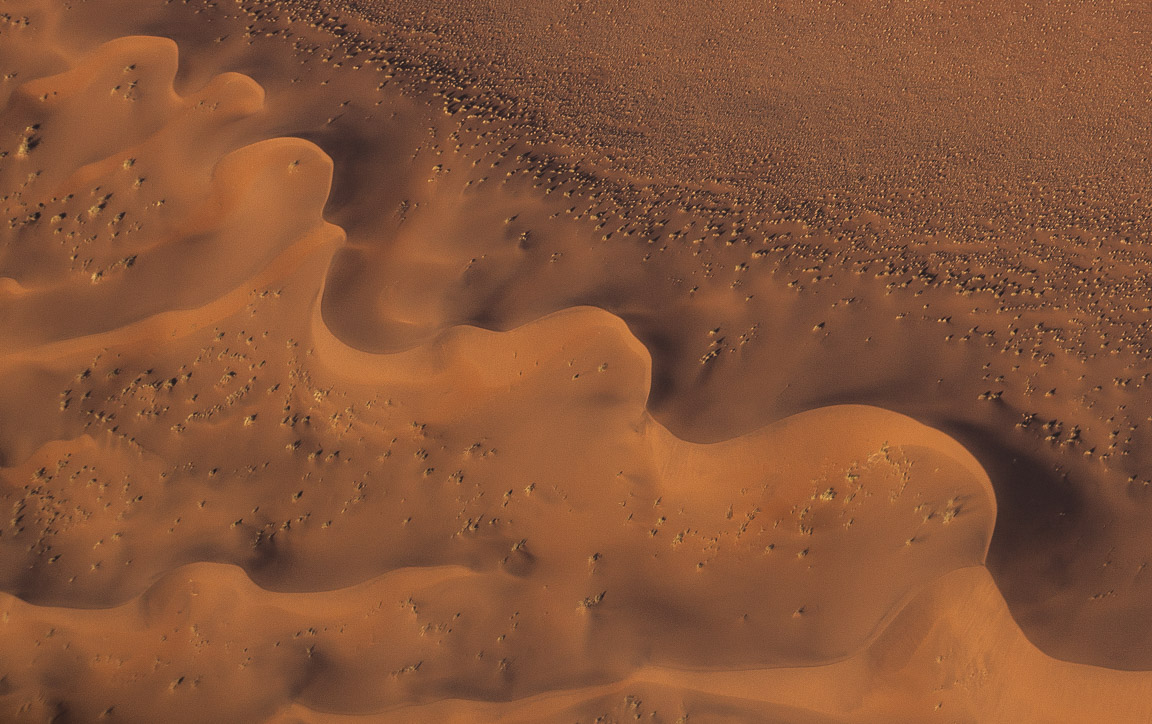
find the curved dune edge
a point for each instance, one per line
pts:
(632, 553)
(953, 653)
(152, 175)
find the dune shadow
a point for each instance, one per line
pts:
(1039, 510)
(360, 160)
(662, 346)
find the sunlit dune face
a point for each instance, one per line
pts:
(336, 388)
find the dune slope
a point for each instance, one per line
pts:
(299, 422)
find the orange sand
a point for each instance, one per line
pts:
(415, 363)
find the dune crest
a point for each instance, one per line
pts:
(239, 491)
(129, 185)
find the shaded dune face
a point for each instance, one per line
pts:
(526, 459)
(259, 471)
(947, 220)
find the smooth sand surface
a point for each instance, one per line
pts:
(431, 362)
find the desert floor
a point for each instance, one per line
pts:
(575, 361)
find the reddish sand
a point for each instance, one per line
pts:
(406, 362)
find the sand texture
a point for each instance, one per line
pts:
(589, 362)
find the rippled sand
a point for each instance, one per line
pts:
(411, 362)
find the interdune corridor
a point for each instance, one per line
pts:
(575, 361)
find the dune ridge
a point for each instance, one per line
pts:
(222, 507)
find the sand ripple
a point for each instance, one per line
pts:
(222, 508)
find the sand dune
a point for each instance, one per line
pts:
(333, 389)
